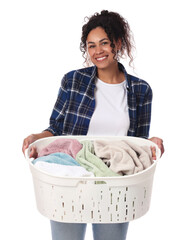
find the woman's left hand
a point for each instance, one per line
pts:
(159, 143)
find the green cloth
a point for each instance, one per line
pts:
(86, 158)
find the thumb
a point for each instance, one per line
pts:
(25, 146)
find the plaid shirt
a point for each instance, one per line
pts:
(76, 103)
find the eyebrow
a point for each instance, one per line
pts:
(99, 41)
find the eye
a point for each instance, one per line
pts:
(91, 46)
(104, 43)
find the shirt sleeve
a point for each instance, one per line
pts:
(144, 113)
(59, 110)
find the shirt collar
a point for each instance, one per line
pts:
(121, 67)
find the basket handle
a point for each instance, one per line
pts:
(27, 155)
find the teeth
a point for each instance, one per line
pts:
(100, 59)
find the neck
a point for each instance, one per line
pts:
(111, 75)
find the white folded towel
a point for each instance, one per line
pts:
(63, 170)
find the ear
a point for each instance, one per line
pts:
(119, 44)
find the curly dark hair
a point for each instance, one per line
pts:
(115, 26)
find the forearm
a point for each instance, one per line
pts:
(43, 134)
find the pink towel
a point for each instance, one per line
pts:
(68, 146)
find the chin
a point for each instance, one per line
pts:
(104, 65)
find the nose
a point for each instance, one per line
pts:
(98, 50)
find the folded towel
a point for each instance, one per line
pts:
(63, 170)
(123, 157)
(59, 158)
(144, 154)
(68, 146)
(92, 163)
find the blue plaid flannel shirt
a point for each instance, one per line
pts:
(76, 103)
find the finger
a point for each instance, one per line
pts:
(153, 150)
(25, 146)
(162, 149)
(33, 152)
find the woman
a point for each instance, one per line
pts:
(100, 100)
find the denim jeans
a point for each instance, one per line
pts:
(76, 231)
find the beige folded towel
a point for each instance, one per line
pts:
(123, 157)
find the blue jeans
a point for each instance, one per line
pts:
(76, 231)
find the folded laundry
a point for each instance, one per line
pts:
(63, 170)
(58, 158)
(87, 158)
(144, 154)
(68, 146)
(123, 157)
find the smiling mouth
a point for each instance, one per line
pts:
(100, 59)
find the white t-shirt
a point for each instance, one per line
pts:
(111, 115)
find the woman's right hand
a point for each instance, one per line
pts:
(32, 138)
(27, 141)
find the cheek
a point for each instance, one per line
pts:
(90, 51)
(108, 50)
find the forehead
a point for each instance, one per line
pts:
(96, 34)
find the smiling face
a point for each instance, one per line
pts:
(99, 49)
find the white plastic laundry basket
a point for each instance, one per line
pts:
(95, 199)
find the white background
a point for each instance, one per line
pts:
(39, 43)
